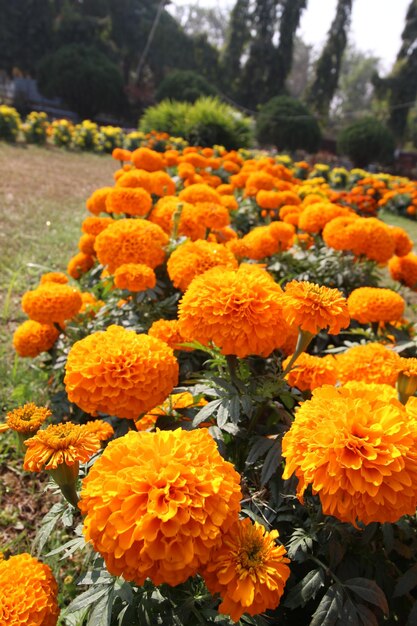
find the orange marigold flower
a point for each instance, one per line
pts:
(134, 277)
(213, 214)
(172, 407)
(79, 265)
(313, 308)
(168, 331)
(27, 419)
(239, 310)
(86, 245)
(249, 570)
(315, 216)
(311, 371)
(121, 155)
(119, 372)
(28, 592)
(32, 338)
(59, 444)
(264, 241)
(374, 304)
(95, 225)
(51, 302)
(54, 277)
(131, 241)
(268, 199)
(96, 203)
(200, 193)
(135, 178)
(229, 202)
(129, 200)
(366, 236)
(357, 447)
(103, 430)
(403, 243)
(162, 184)
(155, 504)
(148, 160)
(257, 181)
(370, 362)
(196, 257)
(404, 269)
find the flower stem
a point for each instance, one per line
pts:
(303, 341)
(232, 365)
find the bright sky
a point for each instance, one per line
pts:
(376, 25)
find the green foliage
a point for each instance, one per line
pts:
(205, 123)
(84, 78)
(9, 123)
(365, 141)
(290, 19)
(287, 124)
(184, 86)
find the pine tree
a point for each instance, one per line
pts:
(328, 66)
(290, 19)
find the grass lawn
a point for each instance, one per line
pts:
(397, 220)
(42, 203)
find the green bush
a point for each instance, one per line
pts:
(205, 123)
(9, 123)
(184, 86)
(365, 141)
(287, 124)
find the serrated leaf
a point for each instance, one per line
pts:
(300, 541)
(234, 409)
(329, 609)
(368, 590)
(406, 582)
(75, 619)
(48, 524)
(69, 547)
(102, 611)
(272, 461)
(222, 413)
(259, 448)
(305, 590)
(87, 598)
(247, 406)
(206, 412)
(349, 615)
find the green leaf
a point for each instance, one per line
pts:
(48, 524)
(305, 590)
(406, 582)
(272, 461)
(300, 541)
(259, 448)
(88, 598)
(330, 608)
(366, 616)
(206, 412)
(368, 590)
(69, 547)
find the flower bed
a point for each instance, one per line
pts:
(232, 421)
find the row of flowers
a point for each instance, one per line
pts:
(235, 390)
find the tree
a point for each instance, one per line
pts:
(301, 69)
(367, 140)
(184, 86)
(290, 19)
(328, 66)
(255, 79)
(196, 20)
(238, 37)
(401, 84)
(84, 78)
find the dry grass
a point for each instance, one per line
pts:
(42, 203)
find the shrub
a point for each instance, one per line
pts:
(365, 141)
(84, 78)
(85, 136)
(184, 86)
(206, 122)
(288, 124)
(61, 132)
(109, 137)
(9, 123)
(35, 128)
